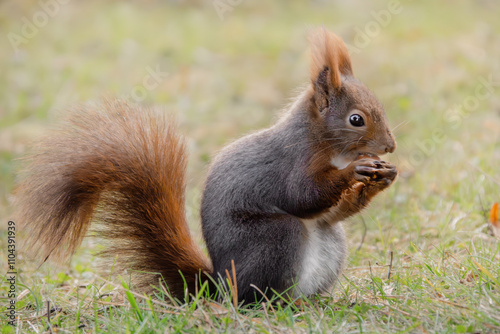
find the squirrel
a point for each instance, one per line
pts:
(273, 203)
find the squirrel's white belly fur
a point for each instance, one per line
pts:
(324, 253)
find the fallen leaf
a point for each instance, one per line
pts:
(495, 224)
(494, 215)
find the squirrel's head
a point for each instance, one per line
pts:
(351, 119)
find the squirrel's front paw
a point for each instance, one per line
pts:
(375, 172)
(374, 175)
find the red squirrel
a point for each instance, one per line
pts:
(273, 203)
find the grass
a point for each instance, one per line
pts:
(232, 76)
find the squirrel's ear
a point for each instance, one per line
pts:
(330, 58)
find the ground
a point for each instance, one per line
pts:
(422, 257)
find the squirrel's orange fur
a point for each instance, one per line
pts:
(133, 186)
(327, 49)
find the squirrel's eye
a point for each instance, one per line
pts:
(356, 120)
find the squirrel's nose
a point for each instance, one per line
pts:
(390, 142)
(390, 146)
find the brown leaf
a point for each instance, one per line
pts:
(494, 215)
(495, 224)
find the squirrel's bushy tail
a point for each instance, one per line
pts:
(122, 167)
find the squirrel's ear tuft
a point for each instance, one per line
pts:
(328, 52)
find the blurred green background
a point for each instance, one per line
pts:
(229, 67)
